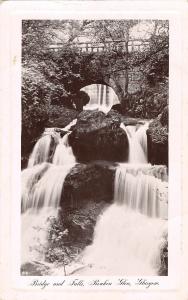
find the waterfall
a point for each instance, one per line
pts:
(130, 233)
(34, 233)
(142, 192)
(30, 176)
(63, 153)
(102, 97)
(126, 243)
(41, 151)
(47, 191)
(40, 201)
(42, 185)
(137, 143)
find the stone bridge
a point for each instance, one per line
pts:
(121, 81)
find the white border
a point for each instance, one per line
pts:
(76, 10)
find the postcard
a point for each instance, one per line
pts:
(93, 150)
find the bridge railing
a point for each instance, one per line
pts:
(133, 45)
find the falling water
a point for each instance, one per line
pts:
(102, 97)
(63, 153)
(41, 151)
(125, 243)
(30, 176)
(42, 185)
(137, 143)
(40, 202)
(130, 234)
(142, 191)
(34, 234)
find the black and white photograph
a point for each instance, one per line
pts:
(94, 147)
(93, 155)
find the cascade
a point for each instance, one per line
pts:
(125, 243)
(63, 153)
(34, 232)
(102, 97)
(47, 190)
(40, 202)
(42, 184)
(130, 233)
(142, 191)
(137, 143)
(29, 178)
(41, 151)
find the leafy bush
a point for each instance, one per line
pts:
(60, 247)
(158, 133)
(164, 116)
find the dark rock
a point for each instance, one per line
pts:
(118, 108)
(132, 121)
(93, 181)
(163, 271)
(157, 137)
(80, 223)
(62, 118)
(164, 116)
(115, 115)
(81, 99)
(97, 136)
(72, 231)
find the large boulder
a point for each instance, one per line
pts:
(97, 136)
(157, 137)
(87, 191)
(88, 182)
(71, 232)
(80, 223)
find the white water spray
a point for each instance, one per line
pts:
(130, 234)
(42, 185)
(125, 243)
(48, 189)
(41, 151)
(137, 143)
(63, 153)
(30, 176)
(142, 191)
(34, 234)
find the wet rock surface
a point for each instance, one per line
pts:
(63, 118)
(97, 136)
(72, 231)
(157, 137)
(80, 223)
(94, 181)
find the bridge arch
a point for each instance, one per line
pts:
(101, 95)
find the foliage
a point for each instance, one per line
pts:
(55, 77)
(164, 116)
(59, 248)
(158, 132)
(34, 108)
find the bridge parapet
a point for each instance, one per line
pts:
(133, 46)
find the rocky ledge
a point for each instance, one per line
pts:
(97, 136)
(157, 136)
(94, 181)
